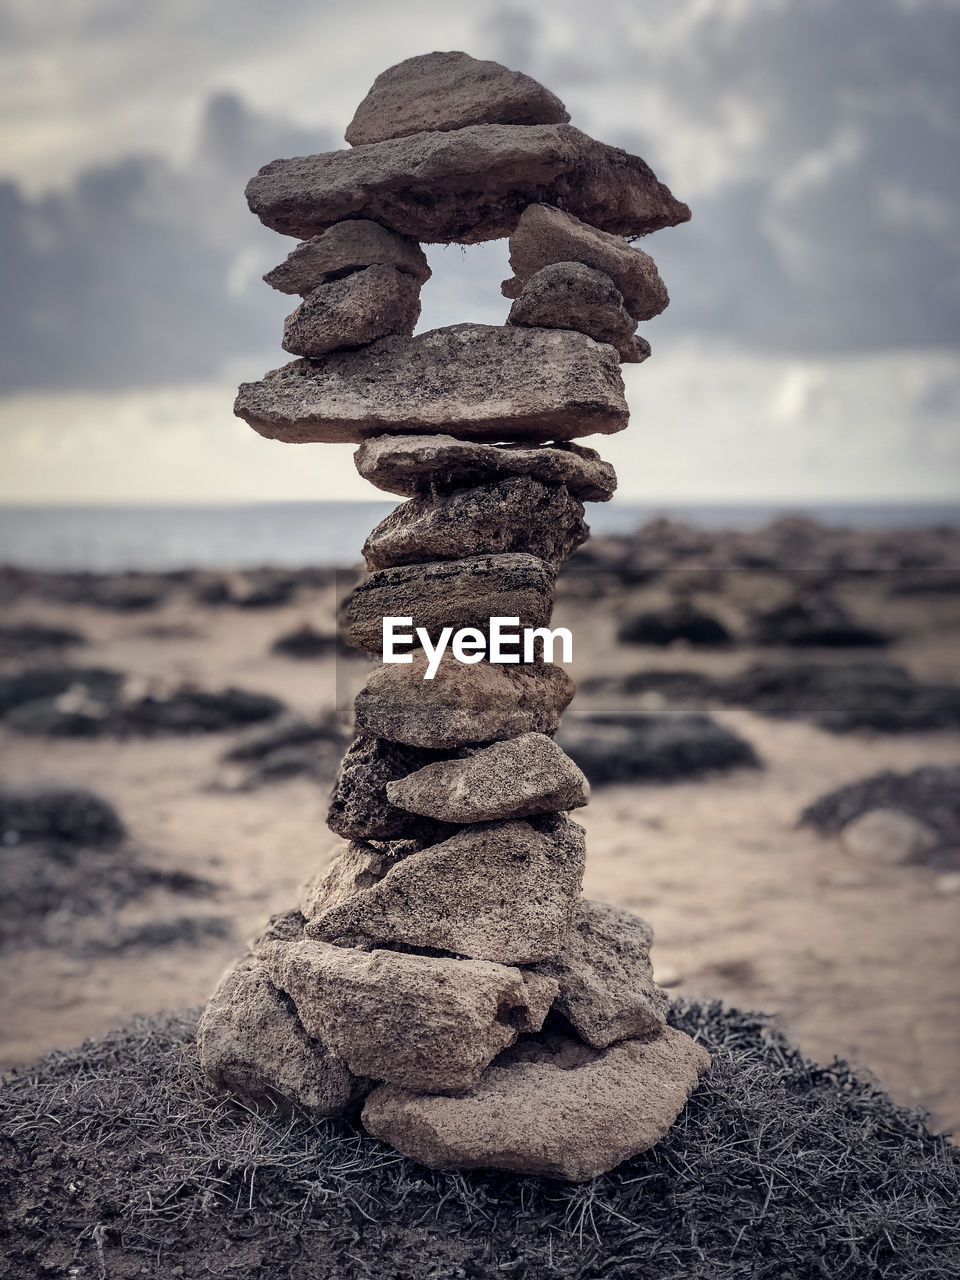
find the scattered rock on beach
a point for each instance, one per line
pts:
(889, 836)
(625, 746)
(682, 623)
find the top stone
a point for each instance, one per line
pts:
(441, 91)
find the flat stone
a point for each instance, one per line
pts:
(252, 1043)
(360, 809)
(412, 465)
(355, 868)
(425, 1022)
(519, 514)
(513, 779)
(451, 593)
(889, 836)
(550, 1106)
(476, 381)
(607, 991)
(343, 248)
(568, 295)
(465, 185)
(353, 311)
(545, 235)
(461, 705)
(501, 891)
(449, 91)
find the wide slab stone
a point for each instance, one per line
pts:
(451, 593)
(607, 991)
(466, 185)
(343, 248)
(519, 514)
(501, 891)
(360, 809)
(426, 1022)
(550, 1106)
(475, 381)
(545, 235)
(353, 311)
(513, 779)
(413, 465)
(252, 1043)
(449, 91)
(461, 705)
(568, 295)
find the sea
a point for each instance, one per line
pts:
(114, 539)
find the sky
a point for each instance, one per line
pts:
(810, 349)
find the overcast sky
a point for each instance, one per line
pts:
(810, 349)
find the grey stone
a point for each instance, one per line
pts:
(461, 704)
(360, 809)
(466, 185)
(410, 465)
(354, 869)
(343, 248)
(450, 593)
(607, 991)
(425, 1022)
(475, 381)
(568, 295)
(252, 1043)
(513, 779)
(545, 235)
(549, 1106)
(449, 91)
(519, 514)
(889, 836)
(500, 891)
(353, 311)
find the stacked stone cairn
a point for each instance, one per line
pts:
(445, 970)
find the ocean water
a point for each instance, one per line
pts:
(111, 539)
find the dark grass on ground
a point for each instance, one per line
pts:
(118, 1159)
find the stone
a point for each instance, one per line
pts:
(500, 891)
(465, 185)
(545, 235)
(450, 593)
(513, 779)
(449, 91)
(424, 1022)
(353, 311)
(889, 836)
(607, 991)
(360, 809)
(550, 1106)
(568, 295)
(413, 465)
(475, 381)
(354, 869)
(519, 514)
(461, 705)
(252, 1043)
(343, 248)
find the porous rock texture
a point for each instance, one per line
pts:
(353, 311)
(361, 808)
(344, 248)
(525, 775)
(551, 1106)
(357, 867)
(568, 295)
(449, 91)
(413, 465)
(477, 381)
(518, 514)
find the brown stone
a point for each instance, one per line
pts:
(360, 809)
(461, 704)
(354, 869)
(501, 891)
(451, 593)
(550, 1106)
(425, 1022)
(568, 295)
(513, 779)
(353, 311)
(475, 381)
(449, 91)
(546, 235)
(343, 248)
(519, 514)
(413, 465)
(466, 185)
